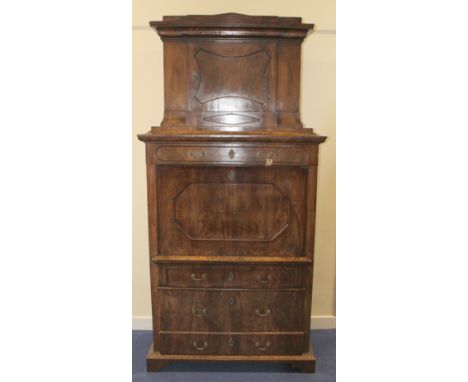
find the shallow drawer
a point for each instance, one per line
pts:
(231, 344)
(232, 154)
(231, 310)
(230, 276)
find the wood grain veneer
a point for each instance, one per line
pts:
(232, 177)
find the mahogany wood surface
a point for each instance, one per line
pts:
(232, 177)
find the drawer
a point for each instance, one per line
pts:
(264, 155)
(231, 344)
(212, 310)
(230, 276)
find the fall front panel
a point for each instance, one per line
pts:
(231, 211)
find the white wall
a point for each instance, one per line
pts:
(318, 112)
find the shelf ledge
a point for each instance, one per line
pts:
(230, 259)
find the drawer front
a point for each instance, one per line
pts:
(230, 276)
(231, 310)
(264, 155)
(227, 344)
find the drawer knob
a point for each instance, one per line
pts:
(200, 348)
(198, 312)
(231, 276)
(232, 154)
(231, 343)
(194, 277)
(231, 301)
(260, 347)
(267, 280)
(263, 312)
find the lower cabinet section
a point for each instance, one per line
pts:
(232, 344)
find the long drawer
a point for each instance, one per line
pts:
(210, 310)
(231, 344)
(232, 154)
(230, 276)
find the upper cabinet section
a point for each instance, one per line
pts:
(231, 72)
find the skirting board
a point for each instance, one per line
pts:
(316, 322)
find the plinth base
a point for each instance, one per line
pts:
(303, 362)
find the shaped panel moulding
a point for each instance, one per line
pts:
(232, 76)
(231, 212)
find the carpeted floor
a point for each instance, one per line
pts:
(324, 347)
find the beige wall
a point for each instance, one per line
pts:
(318, 112)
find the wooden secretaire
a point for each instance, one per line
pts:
(231, 178)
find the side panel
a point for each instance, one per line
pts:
(175, 83)
(289, 73)
(153, 245)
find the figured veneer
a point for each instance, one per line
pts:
(251, 211)
(232, 179)
(231, 344)
(231, 310)
(196, 275)
(232, 154)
